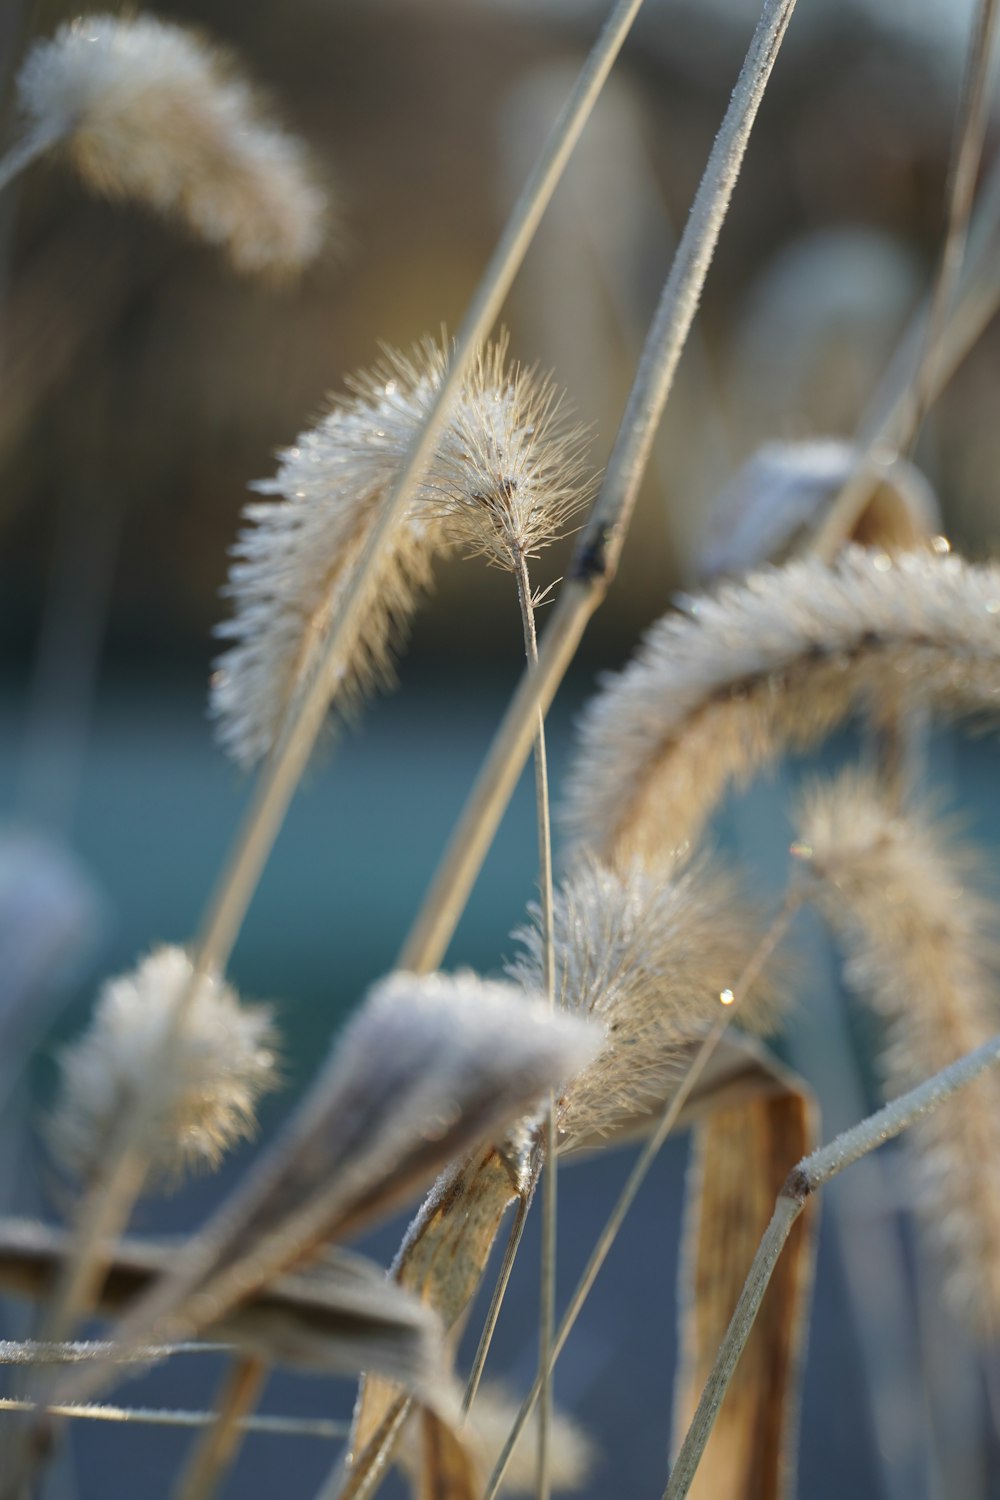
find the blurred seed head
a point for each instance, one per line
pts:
(147, 110)
(223, 1060)
(921, 943)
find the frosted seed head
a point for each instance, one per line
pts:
(648, 956)
(147, 110)
(201, 1091)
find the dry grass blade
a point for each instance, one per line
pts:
(743, 1157)
(922, 949)
(342, 1316)
(729, 682)
(425, 1070)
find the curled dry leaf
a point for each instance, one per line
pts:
(922, 949)
(776, 502)
(340, 1316)
(729, 682)
(147, 110)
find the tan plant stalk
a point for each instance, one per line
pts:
(730, 681)
(812, 1173)
(148, 111)
(596, 557)
(921, 948)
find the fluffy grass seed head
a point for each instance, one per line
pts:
(223, 1061)
(922, 949)
(498, 457)
(728, 682)
(147, 110)
(511, 471)
(650, 957)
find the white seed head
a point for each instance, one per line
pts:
(650, 958)
(146, 110)
(199, 1105)
(296, 554)
(921, 947)
(510, 471)
(730, 681)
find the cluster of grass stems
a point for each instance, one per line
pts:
(632, 970)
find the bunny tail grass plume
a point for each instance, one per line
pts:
(430, 1067)
(223, 1061)
(146, 110)
(512, 465)
(650, 958)
(729, 682)
(488, 1424)
(922, 949)
(499, 457)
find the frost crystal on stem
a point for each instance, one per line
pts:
(146, 110)
(222, 1062)
(500, 452)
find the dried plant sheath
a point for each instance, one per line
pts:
(446, 1249)
(731, 681)
(147, 111)
(340, 1317)
(921, 945)
(743, 1156)
(429, 1067)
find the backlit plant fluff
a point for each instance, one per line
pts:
(146, 110)
(648, 956)
(505, 473)
(222, 1063)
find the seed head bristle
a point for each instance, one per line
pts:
(511, 469)
(296, 553)
(147, 110)
(222, 1062)
(730, 681)
(921, 948)
(649, 957)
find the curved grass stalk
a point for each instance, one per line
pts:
(596, 557)
(810, 1175)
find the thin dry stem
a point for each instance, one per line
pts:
(596, 557)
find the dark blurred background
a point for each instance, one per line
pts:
(143, 385)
